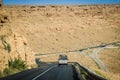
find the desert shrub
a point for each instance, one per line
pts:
(6, 45)
(14, 66)
(7, 71)
(17, 63)
(8, 48)
(1, 74)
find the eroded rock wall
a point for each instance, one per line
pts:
(12, 44)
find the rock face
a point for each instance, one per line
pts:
(19, 48)
(3, 16)
(16, 42)
(0, 3)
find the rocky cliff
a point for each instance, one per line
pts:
(12, 44)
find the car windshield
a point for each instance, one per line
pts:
(63, 57)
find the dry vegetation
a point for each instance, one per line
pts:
(111, 59)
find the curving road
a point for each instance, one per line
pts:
(53, 72)
(62, 72)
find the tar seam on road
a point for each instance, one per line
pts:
(43, 72)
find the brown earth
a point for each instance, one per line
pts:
(44, 29)
(53, 29)
(111, 59)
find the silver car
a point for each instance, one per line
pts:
(63, 60)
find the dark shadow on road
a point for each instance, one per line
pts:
(42, 64)
(37, 61)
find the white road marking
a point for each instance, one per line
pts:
(43, 72)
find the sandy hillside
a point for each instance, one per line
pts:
(111, 59)
(62, 28)
(45, 29)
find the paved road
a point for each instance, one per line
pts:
(25, 75)
(53, 72)
(62, 72)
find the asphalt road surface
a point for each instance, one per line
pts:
(62, 72)
(54, 72)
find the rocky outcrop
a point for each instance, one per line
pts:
(12, 45)
(19, 48)
(0, 3)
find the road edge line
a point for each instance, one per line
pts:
(43, 72)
